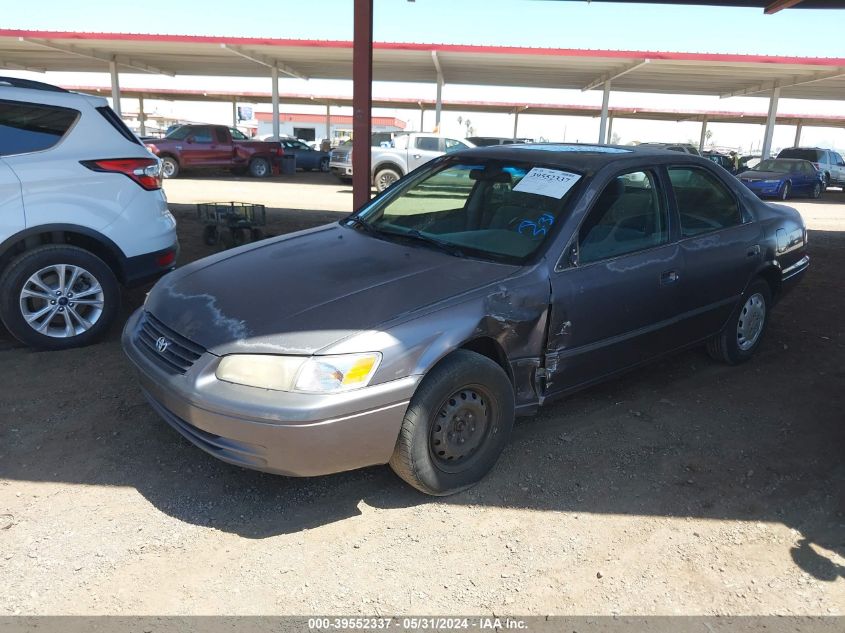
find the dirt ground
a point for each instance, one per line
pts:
(687, 487)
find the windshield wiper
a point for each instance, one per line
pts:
(358, 223)
(418, 236)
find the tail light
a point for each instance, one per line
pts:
(145, 171)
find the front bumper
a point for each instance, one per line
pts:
(285, 433)
(764, 190)
(341, 170)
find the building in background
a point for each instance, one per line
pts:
(312, 127)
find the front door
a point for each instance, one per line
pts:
(615, 293)
(196, 148)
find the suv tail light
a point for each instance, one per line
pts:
(145, 171)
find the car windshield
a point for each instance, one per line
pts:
(778, 166)
(491, 209)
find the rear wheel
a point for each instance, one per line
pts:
(57, 297)
(456, 425)
(817, 191)
(324, 165)
(169, 167)
(742, 334)
(259, 168)
(386, 177)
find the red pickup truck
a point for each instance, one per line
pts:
(215, 147)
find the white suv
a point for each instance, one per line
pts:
(81, 212)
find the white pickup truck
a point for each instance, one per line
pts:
(405, 153)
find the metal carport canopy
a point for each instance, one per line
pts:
(653, 114)
(631, 71)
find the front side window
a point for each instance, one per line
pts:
(704, 203)
(492, 209)
(628, 216)
(237, 134)
(428, 143)
(200, 134)
(26, 127)
(453, 145)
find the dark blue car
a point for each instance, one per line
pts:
(782, 178)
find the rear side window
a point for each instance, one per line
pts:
(812, 155)
(704, 203)
(29, 127)
(117, 123)
(627, 217)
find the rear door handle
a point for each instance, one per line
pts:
(753, 251)
(668, 277)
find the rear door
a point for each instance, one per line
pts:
(720, 243)
(221, 149)
(837, 169)
(425, 148)
(615, 292)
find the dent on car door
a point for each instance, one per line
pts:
(615, 290)
(721, 246)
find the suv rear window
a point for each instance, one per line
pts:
(31, 127)
(812, 155)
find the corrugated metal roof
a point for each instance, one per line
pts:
(636, 71)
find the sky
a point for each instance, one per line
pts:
(539, 23)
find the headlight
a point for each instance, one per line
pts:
(315, 374)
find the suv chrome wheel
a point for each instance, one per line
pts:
(61, 301)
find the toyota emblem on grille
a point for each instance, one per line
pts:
(161, 344)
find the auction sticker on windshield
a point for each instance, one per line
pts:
(547, 182)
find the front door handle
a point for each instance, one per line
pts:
(668, 277)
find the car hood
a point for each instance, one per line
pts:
(302, 292)
(763, 175)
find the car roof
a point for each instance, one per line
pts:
(17, 89)
(581, 157)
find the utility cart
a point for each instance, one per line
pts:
(231, 223)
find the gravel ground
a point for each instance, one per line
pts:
(686, 487)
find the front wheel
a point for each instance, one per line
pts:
(784, 193)
(742, 334)
(259, 168)
(324, 165)
(57, 297)
(456, 425)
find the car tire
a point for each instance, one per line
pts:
(816, 193)
(742, 334)
(826, 181)
(385, 178)
(259, 168)
(324, 165)
(169, 167)
(784, 193)
(465, 403)
(72, 316)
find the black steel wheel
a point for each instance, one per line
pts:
(456, 426)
